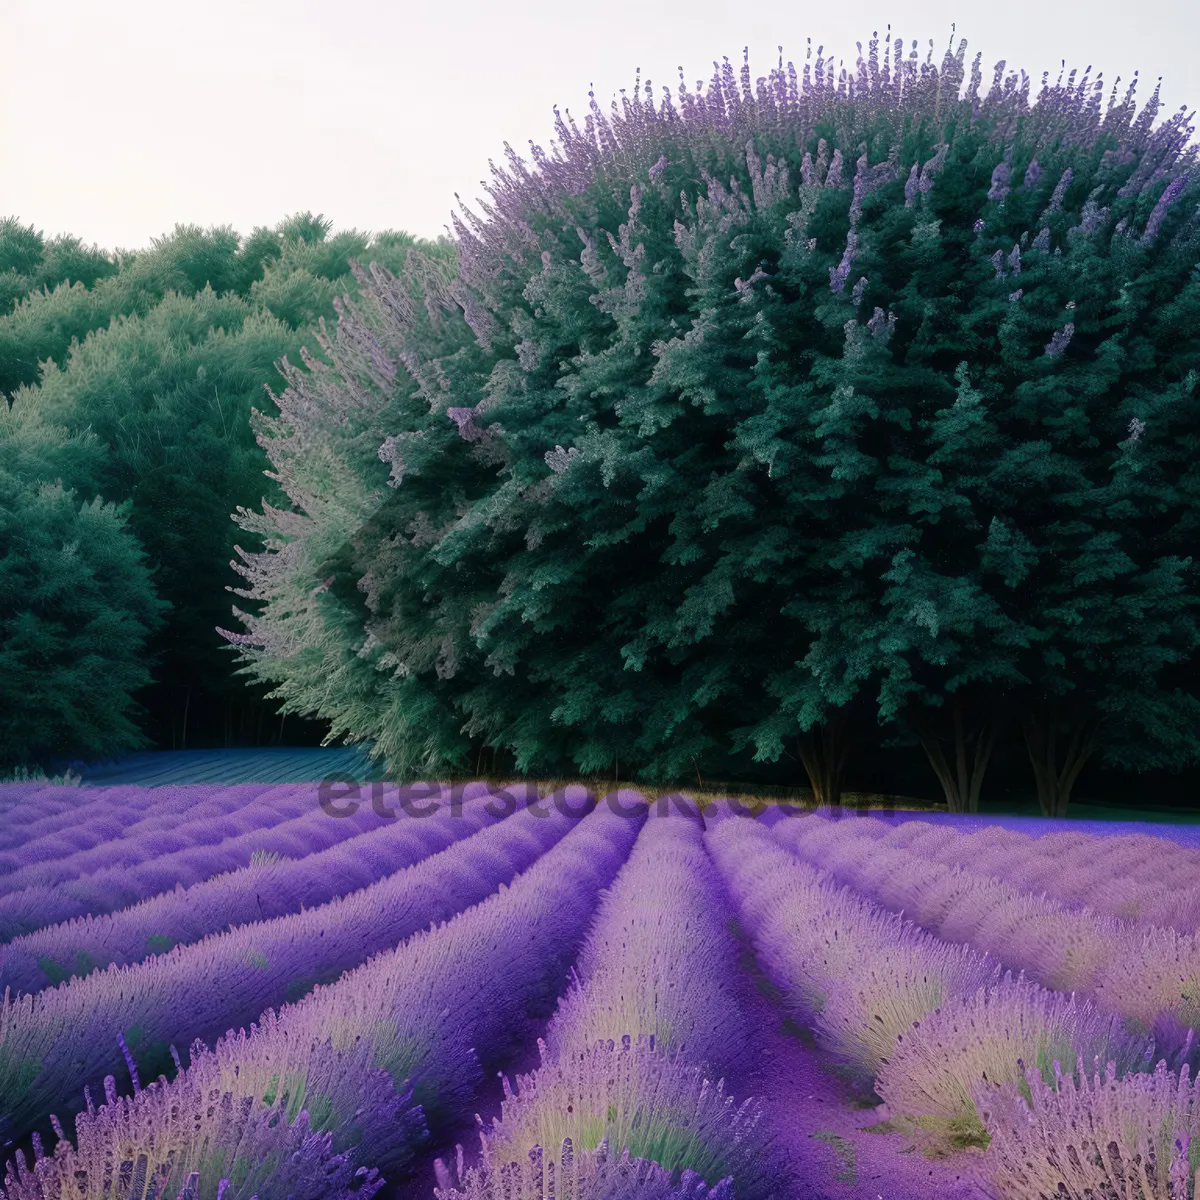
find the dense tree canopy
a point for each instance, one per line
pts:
(160, 363)
(77, 600)
(902, 422)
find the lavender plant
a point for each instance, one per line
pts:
(440, 1008)
(858, 975)
(656, 1105)
(586, 1175)
(655, 1013)
(190, 1140)
(1061, 948)
(212, 817)
(660, 961)
(938, 1063)
(1134, 1136)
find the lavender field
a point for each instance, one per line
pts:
(479, 992)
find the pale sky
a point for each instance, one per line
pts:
(119, 118)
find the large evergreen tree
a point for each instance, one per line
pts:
(679, 470)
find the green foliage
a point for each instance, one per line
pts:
(28, 262)
(167, 387)
(77, 601)
(169, 394)
(74, 292)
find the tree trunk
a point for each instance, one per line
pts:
(186, 704)
(823, 751)
(1054, 780)
(262, 708)
(961, 780)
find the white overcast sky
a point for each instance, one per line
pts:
(119, 118)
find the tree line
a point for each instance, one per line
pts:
(125, 445)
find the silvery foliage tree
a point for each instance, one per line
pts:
(900, 422)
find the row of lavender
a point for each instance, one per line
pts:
(907, 975)
(954, 1046)
(1150, 977)
(115, 855)
(1135, 877)
(646, 991)
(630, 1099)
(54, 1043)
(270, 886)
(354, 1076)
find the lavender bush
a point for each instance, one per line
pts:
(937, 1064)
(655, 1105)
(443, 1006)
(858, 975)
(586, 1175)
(1061, 948)
(1138, 1136)
(192, 1140)
(654, 1014)
(298, 827)
(660, 960)
(93, 814)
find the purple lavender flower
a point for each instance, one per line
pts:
(1092, 1127)
(859, 288)
(1136, 429)
(581, 1175)
(997, 261)
(1061, 339)
(1060, 190)
(1091, 218)
(1000, 178)
(651, 1102)
(933, 167)
(1033, 173)
(912, 185)
(833, 178)
(860, 188)
(1014, 259)
(881, 325)
(1042, 241)
(839, 274)
(349, 853)
(979, 225)
(193, 1134)
(1159, 212)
